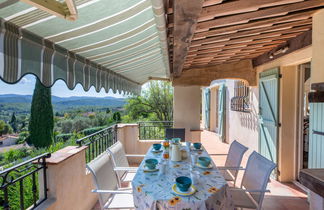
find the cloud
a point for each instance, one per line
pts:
(24, 81)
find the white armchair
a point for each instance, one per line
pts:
(254, 183)
(121, 166)
(233, 161)
(106, 183)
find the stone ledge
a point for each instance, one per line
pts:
(64, 154)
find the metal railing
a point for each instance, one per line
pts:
(22, 179)
(98, 142)
(153, 130)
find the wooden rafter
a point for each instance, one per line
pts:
(231, 31)
(66, 9)
(186, 13)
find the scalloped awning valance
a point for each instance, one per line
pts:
(117, 45)
(22, 52)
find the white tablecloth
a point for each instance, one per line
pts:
(154, 190)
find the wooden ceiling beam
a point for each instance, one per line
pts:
(250, 40)
(186, 14)
(205, 75)
(276, 27)
(229, 52)
(299, 42)
(255, 34)
(237, 7)
(252, 25)
(260, 14)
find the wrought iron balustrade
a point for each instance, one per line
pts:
(153, 130)
(98, 142)
(20, 184)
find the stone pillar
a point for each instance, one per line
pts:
(69, 184)
(317, 75)
(186, 110)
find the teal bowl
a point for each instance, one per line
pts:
(183, 183)
(151, 163)
(204, 161)
(197, 145)
(157, 146)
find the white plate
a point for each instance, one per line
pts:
(190, 191)
(157, 151)
(196, 150)
(208, 167)
(146, 169)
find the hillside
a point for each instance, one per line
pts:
(21, 103)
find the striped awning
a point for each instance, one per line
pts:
(115, 44)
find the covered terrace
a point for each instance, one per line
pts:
(119, 45)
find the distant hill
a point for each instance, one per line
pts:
(22, 102)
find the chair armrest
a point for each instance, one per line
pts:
(135, 155)
(129, 169)
(218, 154)
(230, 168)
(112, 191)
(245, 190)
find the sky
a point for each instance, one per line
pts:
(27, 84)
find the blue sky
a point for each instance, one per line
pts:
(26, 87)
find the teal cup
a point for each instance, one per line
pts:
(204, 161)
(157, 146)
(151, 163)
(183, 183)
(197, 145)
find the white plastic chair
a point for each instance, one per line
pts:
(254, 183)
(106, 184)
(121, 166)
(233, 161)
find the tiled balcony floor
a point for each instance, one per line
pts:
(283, 196)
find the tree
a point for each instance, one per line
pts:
(156, 100)
(41, 122)
(117, 117)
(13, 122)
(107, 111)
(4, 128)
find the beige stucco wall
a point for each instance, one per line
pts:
(288, 118)
(213, 109)
(128, 135)
(186, 109)
(69, 185)
(240, 126)
(244, 127)
(318, 43)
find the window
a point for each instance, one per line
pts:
(241, 100)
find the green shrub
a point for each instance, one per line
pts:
(89, 131)
(63, 137)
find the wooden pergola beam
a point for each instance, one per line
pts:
(203, 76)
(66, 10)
(299, 42)
(259, 14)
(186, 13)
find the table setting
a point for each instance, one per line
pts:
(176, 175)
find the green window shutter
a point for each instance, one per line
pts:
(316, 140)
(207, 108)
(269, 113)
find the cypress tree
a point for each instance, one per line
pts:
(41, 122)
(13, 122)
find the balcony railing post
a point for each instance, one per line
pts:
(153, 130)
(98, 142)
(14, 178)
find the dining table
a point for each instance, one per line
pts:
(154, 189)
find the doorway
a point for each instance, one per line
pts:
(303, 119)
